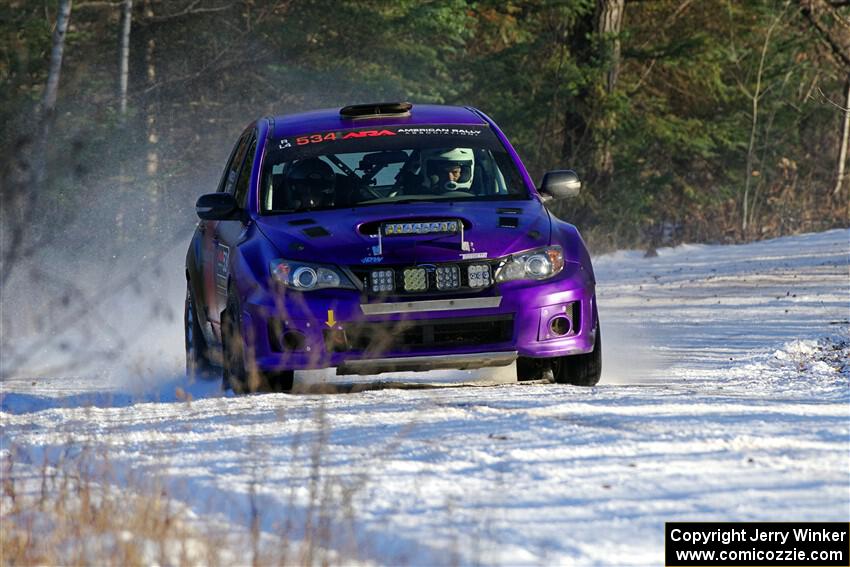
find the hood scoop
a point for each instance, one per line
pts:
(316, 232)
(508, 222)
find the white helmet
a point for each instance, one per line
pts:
(448, 169)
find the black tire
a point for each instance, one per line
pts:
(237, 374)
(580, 369)
(198, 365)
(530, 368)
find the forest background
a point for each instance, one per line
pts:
(688, 120)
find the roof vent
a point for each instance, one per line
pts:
(376, 110)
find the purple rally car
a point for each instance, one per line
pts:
(386, 237)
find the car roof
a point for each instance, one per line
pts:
(329, 119)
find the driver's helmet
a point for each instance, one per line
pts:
(448, 169)
(311, 183)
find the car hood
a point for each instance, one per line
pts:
(349, 236)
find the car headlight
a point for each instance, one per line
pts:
(538, 264)
(305, 276)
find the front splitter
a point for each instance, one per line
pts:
(424, 363)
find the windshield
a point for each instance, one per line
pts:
(398, 164)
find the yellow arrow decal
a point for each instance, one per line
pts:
(331, 321)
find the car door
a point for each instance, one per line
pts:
(229, 234)
(214, 254)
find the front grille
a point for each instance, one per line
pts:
(427, 279)
(410, 336)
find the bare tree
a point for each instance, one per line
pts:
(124, 58)
(22, 178)
(151, 75)
(51, 90)
(842, 152)
(755, 98)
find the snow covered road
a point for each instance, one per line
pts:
(725, 396)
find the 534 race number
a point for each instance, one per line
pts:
(332, 136)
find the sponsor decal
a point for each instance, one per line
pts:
(331, 320)
(231, 180)
(322, 137)
(372, 260)
(443, 131)
(222, 255)
(474, 255)
(335, 136)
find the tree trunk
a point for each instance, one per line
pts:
(152, 109)
(123, 82)
(609, 23)
(575, 143)
(52, 89)
(842, 152)
(151, 106)
(588, 123)
(124, 59)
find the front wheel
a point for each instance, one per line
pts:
(240, 374)
(198, 364)
(580, 369)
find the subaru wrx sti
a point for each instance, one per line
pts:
(386, 237)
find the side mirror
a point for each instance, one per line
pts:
(217, 206)
(560, 184)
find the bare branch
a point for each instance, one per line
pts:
(189, 10)
(746, 219)
(830, 101)
(99, 4)
(188, 77)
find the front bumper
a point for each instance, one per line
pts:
(343, 329)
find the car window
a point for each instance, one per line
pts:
(332, 170)
(228, 178)
(241, 187)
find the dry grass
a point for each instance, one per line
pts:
(73, 513)
(76, 507)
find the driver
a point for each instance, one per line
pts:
(447, 170)
(310, 183)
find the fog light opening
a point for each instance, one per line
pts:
(293, 340)
(335, 340)
(560, 326)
